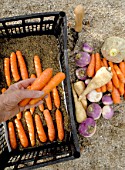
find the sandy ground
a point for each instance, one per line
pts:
(106, 149)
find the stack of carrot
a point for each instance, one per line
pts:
(44, 81)
(43, 137)
(117, 85)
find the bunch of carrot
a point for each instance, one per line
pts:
(44, 81)
(38, 126)
(117, 85)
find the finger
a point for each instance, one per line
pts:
(22, 94)
(30, 106)
(25, 83)
(22, 84)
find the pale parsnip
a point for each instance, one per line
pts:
(80, 112)
(102, 77)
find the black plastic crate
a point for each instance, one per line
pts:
(52, 23)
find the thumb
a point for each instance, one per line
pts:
(24, 93)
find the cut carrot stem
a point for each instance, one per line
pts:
(91, 67)
(122, 67)
(19, 115)
(22, 65)
(119, 73)
(38, 66)
(115, 79)
(7, 71)
(115, 95)
(48, 101)
(21, 133)
(12, 135)
(59, 123)
(40, 130)
(55, 81)
(121, 88)
(39, 83)
(56, 97)
(13, 66)
(30, 125)
(50, 125)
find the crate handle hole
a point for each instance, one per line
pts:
(62, 14)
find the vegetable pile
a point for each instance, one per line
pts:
(100, 84)
(34, 122)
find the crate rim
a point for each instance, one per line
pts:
(35, 15)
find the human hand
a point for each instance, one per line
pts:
(9, 101)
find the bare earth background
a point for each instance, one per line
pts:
(106, 149)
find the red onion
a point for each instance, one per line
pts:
(82, 59)
(87, 128)
(107, 100)
(94, 110)
(87, 48)
(81, 73)
(107, 112)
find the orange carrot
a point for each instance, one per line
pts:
(91, 67)
(50, 125)
(41, 107)
(19, 115)
(121, 88)
(103, 89)
(55, 81)
(38, 67)
(12, 135)
(29, 122)
(119, 73)
(32, 109)
(115, 79)
(48, 101)
(122, 67)
(98, 89)
(97, 66)
(7, 71)
(39, 83)
(21, 133)
(22, 65)
(3, 90)
(56, 97)
(97, 62)
(109, 86)
(105, 62)
(13, 66)
(59, 122)
(40, 129)
(115, 95)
